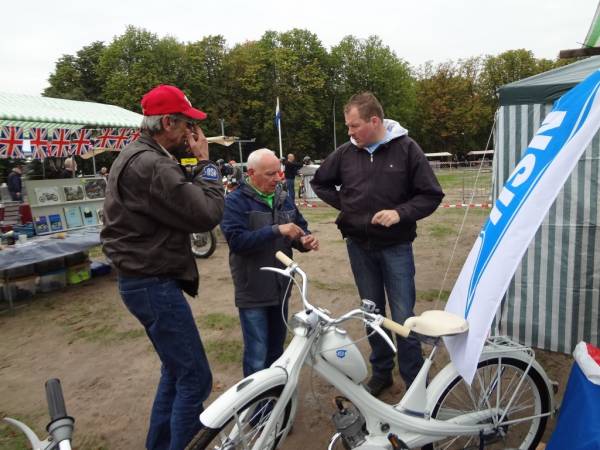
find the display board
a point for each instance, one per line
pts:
(66, 204)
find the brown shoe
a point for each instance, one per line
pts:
(377, 385)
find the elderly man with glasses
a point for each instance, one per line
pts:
(150, 210)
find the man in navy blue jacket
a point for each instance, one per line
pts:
(259, 220)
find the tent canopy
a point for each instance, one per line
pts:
(480, 152)
(30, 111)
(438, 155)
(548, 86)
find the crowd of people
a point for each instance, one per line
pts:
(380, 182)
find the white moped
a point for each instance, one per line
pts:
(506, 406)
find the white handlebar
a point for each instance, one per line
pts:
(285, 259)
(400, 330)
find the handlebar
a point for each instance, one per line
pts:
(56, 401)
(375, 319)
(284, 259)
(60, 427)
(395, 327)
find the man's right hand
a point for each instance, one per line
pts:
(291, 230)
(198, 143)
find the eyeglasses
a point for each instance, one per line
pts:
(189, 123)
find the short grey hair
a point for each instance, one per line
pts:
(152, 124)
(255, 157)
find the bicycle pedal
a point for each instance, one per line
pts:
(397, 443)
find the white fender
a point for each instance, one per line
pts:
(240, 394)
(449, 372)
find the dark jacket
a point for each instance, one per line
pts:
(291, 169)
(13, 183)
(396, 176)
(150, 209)
(250, 227)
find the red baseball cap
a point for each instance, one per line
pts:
(166, 99)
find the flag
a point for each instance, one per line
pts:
(277, 115)
(60, 144)
(278, 126)
(11, 142)
(38, 140)
(133, 136)
(105, 139)
(120, 138)
(82, 142)
(517, 214)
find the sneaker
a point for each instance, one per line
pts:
(377, 385)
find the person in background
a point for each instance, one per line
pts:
(14, 183)
(385, 185)
(259, 220)
(150, 209)
(69, 169)
(237, 175)
(291, 167)
(103, 172)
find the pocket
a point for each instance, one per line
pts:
(138, 303)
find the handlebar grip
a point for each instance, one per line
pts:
(56, 401)
(400, 330)
(285, 259)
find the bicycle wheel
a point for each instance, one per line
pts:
(203, 244)
(244, 427)
(491, 395)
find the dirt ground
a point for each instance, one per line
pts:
(109, 371)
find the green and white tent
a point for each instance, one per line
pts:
(29, 111)
(553, 301)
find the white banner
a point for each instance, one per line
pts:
(517, 214)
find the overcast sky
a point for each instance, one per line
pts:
(34, 34)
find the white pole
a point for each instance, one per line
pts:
(279, 130)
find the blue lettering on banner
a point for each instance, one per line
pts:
(341, 353)
(210, 172)
(559, 126)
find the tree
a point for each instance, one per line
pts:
(451, 113)
(65, 82)
(368, 65)
(137, 61)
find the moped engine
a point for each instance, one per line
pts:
(350, 423)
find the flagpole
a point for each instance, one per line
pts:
(279, 130)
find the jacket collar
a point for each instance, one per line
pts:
(278, 198)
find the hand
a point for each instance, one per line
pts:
(291, 230)
(386, 217)
(198, 143)
(309, 242)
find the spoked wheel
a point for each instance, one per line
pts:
(244, 427)
(503, 393)
(203, 244)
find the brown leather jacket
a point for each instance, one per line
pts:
(150, 209)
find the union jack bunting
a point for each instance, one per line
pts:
(38, 139)
(81, 142)
(60, 144)
(134, 136)
(105, 139)
(120, 137)
(11, 142)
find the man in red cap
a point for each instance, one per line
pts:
(150, 210)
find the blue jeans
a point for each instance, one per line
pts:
(185, 380)
(289, 182)
(264, 336)
(391, 271)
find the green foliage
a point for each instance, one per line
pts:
(446, 107)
